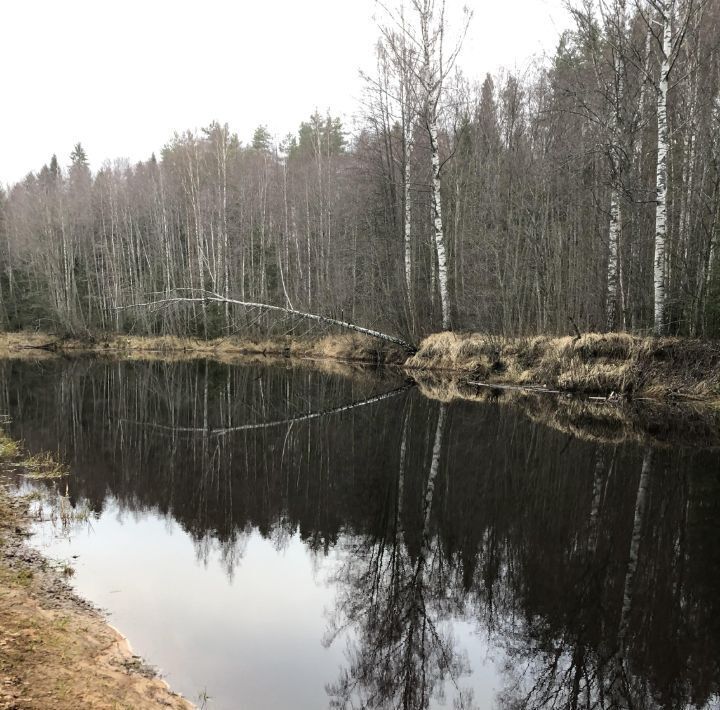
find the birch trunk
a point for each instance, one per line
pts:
(662, 172)
(434, 468)
(279, 422)
(217, 298)
(598, 478)
(612, 271)
(439, 233)
(407, 226)
(614, 280)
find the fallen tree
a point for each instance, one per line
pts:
(211, 297)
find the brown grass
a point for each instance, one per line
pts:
(348, 347)
(593, 364)
(39, 466)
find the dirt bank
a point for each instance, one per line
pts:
(56, 650)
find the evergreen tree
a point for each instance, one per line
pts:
(262, 140)
(78, 155)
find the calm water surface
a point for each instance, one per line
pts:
(268, 545)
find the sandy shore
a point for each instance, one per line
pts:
(57, 650)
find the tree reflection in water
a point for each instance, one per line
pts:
(593, 570)
(403, 651)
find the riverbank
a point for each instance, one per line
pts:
(344, 347)
(56, 650)
(604, 365)
(612, 364)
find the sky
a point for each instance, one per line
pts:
(121, 76)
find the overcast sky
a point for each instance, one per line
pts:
(122, 75)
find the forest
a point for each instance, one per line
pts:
(582, 193)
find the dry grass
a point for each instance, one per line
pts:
(9, 448)
(44, 466)
(41, 466)
(350, 347)
(592, 364)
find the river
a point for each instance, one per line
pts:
(276, 537)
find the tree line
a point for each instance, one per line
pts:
(583, 192)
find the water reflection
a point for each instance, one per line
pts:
(593, 570)
(399, 602)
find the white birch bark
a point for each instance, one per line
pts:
(438, 225)
(407, 226)
(612, 270)
(615, 299)
(210, 297)
(435, 69)
(662, 170)
(598, 477)
(277, 422)
(401, 470)
(434, 468)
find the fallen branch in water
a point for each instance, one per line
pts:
(522, 388)
(51, 347)
(210, 297)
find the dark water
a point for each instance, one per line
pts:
(401, 553)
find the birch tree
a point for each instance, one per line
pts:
(664, 10)
(615, 291)
(430, 71)
(435, 68)
(405, 62)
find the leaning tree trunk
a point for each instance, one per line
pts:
(210, 297)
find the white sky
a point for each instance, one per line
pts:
(122, 75)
